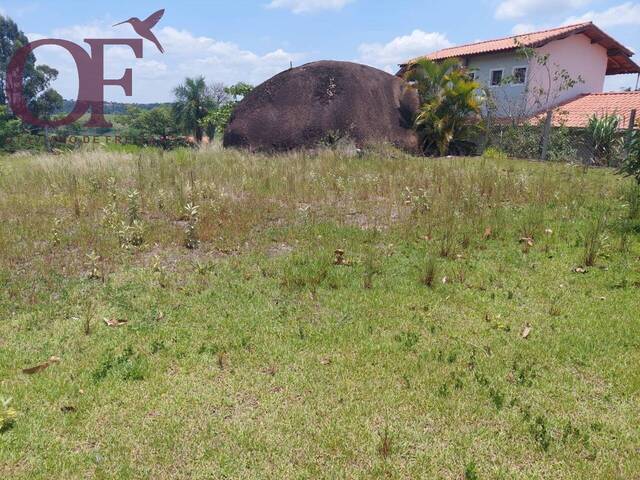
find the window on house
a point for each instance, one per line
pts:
(496, 77)
(519, 75)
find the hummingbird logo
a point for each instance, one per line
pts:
(143, 27)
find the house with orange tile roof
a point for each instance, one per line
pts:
(561, 69)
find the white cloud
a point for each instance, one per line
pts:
(388, 55)
(522, 28)
(510, 9)
(625, 14)
(154, 76)
(306, 6)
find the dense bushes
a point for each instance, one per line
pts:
(631, 165)
(525, 141)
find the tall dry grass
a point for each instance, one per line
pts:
(61, 208)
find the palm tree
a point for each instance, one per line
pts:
(192, 105)
(448, 100)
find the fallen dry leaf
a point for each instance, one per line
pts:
(527, 240)
(36, 369)
(272, 370)
(41, 367)
(67, 409)
(580, 270)
(487, 233)
(114, 322)
(548, 231)
(325, 361)
(526, 332)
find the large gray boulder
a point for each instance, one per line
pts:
(305, 106)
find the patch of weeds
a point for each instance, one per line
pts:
(429, 271)
(532, 220)
(631, 196)
(371, 268)
(93, 263)
(443, 390)
(497, 398)
(305, 273)
(448, 242)
(191, 240)
(160, 272)
(203, 268)
(385, 449)
(572, 434)
(7, 415)
(593, 238)
(540, 432)
(470, 471)
(209, 349)
(127, 366)
(554, 308)
(56, 232)
(452, 356)
(133, 206)
(420, 201)
(456, 380)
(157, 346)
(481, 378)
(407, 340)
(523, 374)
(131, 235)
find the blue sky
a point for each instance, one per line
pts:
(252, 40)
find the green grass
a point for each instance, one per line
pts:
(255, 355)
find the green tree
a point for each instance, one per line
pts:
(9, 127)
(449, 102)
(36, 78)
(11, 39)
(149, 123)
(44, 106)
(239, 90)
(218, 118)
(193, 103)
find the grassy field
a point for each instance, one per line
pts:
(381, 316)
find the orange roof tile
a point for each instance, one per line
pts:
(619, 55)
(501, 44)
(577, 112)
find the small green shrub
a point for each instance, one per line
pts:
(7, 415)
(630, 166)
(430, 271)
(603, 139)
(191, 240)
(540, 432)
(631, 196)
(471, 472)
(126, 366)
(593, 239)
(494, 153)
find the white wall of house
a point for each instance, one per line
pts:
(575, 54)
(580, 58)
(509, 97)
